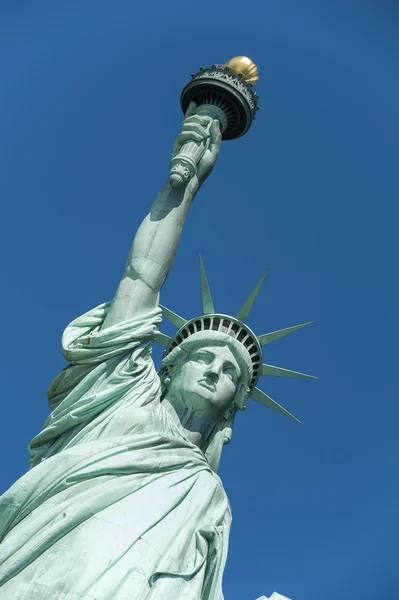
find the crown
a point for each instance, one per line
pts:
(213, 324)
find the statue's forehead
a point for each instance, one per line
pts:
(220, 350)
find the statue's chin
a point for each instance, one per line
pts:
(202, 402)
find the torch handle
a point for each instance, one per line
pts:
(185, 164)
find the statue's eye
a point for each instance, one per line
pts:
(231, 373)
(203, 357)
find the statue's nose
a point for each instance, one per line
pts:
(212, 375)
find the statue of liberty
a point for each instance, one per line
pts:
(123, 500)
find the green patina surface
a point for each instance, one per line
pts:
(123, 499)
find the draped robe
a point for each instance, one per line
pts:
(118, 504)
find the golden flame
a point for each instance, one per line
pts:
(245, 66)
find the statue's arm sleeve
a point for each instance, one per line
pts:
(85, 342)
(104, 367)
(88, 350)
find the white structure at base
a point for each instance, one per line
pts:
(274, 596)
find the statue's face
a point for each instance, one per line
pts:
(207, 382)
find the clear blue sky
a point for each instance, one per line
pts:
(89, 109)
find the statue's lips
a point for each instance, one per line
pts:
(207, 386)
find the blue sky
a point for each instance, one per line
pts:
(89, 110)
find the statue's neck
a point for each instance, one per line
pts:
(196, 429)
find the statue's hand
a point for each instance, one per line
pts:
(198, 128)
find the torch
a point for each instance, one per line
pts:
(223, 92)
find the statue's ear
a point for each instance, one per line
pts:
(241, 397)
(165, 377)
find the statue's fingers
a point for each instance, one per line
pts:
(216, 136)
(191, 108)
(189, 136)
(200, 129)
(201, 120)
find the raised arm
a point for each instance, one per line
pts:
(155, 244)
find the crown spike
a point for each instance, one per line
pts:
(162, 339)
(207, 302)
(279, 372)
(172, 317)
(264, 399)
(246, 308)
(268, 338)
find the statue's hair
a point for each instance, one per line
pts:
(179, 355)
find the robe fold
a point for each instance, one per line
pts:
(118, 504)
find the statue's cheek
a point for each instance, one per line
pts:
(197, 368)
